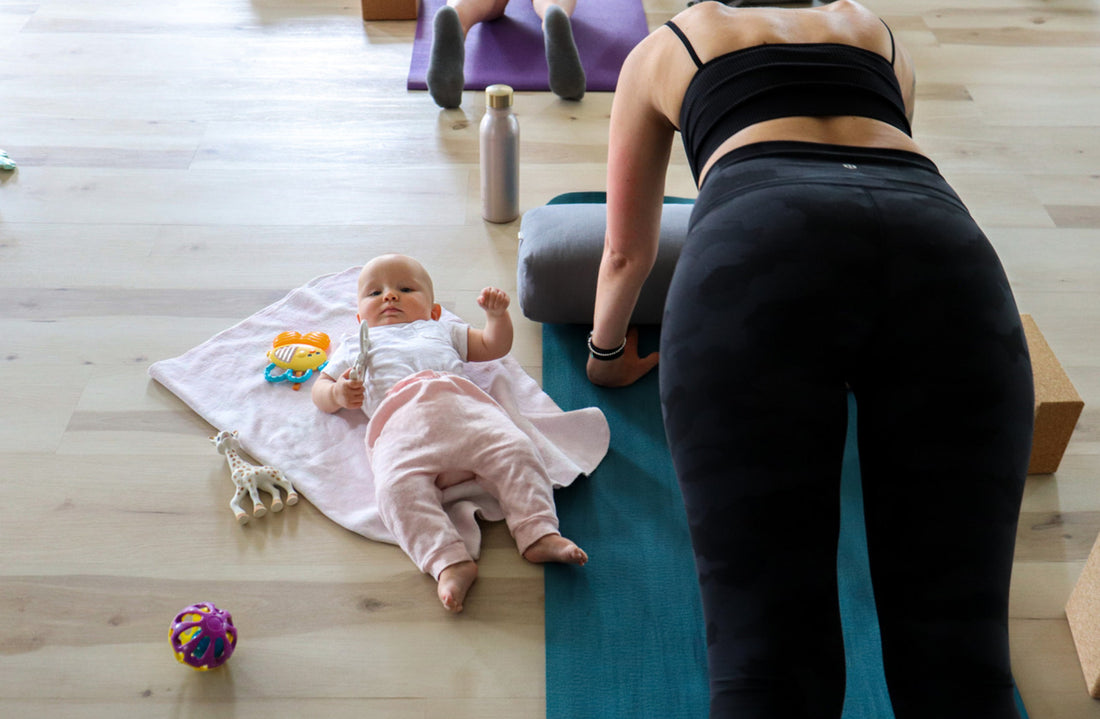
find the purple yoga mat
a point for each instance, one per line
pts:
(510, 50)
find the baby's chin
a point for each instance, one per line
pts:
(387, 320)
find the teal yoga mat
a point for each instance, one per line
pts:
(624, 634)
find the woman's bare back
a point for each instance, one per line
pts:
(713, 29)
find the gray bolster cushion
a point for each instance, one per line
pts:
(560, 247)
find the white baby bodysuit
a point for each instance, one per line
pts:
(398, 351)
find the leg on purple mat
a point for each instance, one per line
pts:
(452, 22)
(566, 75)
(445, 77)
(471, 12)
(541, 6)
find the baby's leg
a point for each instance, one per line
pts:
(454, 582)
(566, 75)
(411, 506)
(509, 468)
(555, 548)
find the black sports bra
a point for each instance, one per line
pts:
(764, 82)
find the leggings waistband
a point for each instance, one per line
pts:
(821, 151)
(766, 164)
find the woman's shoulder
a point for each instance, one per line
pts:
(714, 28)
(718, 16)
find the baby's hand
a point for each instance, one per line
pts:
(495, 302)
(349, 393)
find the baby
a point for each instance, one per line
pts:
(416, 396)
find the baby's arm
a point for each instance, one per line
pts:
(495, 340)
(331, 395)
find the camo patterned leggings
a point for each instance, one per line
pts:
(809, 269)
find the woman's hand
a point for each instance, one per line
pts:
(626, 369)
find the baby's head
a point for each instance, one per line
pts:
(394, 289)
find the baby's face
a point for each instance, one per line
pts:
(393, 290)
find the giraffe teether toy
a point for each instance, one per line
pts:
(250, 478)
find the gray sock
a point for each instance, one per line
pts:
(566, 74)
(445, 67)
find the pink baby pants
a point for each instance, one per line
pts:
(435, 430)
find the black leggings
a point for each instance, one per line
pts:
(808, 270)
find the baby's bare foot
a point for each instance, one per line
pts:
(555, 548)
(454, 582)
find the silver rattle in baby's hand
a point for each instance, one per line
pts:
(359, 372)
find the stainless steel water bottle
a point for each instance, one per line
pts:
(499, 156)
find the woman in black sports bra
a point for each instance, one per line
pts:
(825, 253)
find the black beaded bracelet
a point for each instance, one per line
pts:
(605, 355)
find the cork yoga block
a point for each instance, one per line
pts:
(1083, 613)
(1057, 404)
(390, 9)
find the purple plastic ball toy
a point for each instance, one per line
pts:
(203, 636)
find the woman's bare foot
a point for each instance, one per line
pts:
(555, 548)
(454, 582)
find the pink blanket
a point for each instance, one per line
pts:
(324, 455)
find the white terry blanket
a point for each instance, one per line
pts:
(324, 455)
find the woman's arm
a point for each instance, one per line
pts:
(639, 146)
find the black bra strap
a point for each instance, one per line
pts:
(893, 50)
(698, 63)
(683, 38)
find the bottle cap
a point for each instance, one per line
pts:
(498, 97)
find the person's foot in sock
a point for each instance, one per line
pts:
(445, 67)
(567, 79)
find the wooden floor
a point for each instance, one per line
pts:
(183, 163)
